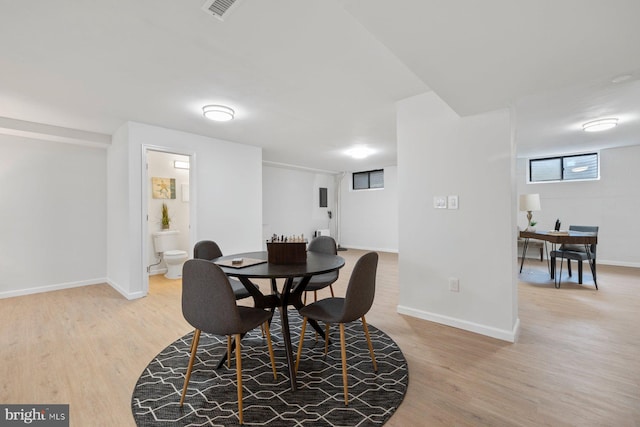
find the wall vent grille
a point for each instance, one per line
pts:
(219, 8)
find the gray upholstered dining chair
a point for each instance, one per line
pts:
(355, 304)
(208, 250)
(209, 305)
(576, 252)
(325, 245)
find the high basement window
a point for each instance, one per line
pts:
(368, 179)
(580, 167)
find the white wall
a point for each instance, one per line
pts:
(440, 153)
(612, 203)
(290, 203)
(121, 256)
(53, 215)
(161, 165)
(226, 197)
(369, 218)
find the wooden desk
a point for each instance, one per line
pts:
(572, 237)
(317, 263)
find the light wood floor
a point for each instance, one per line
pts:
(576, 363)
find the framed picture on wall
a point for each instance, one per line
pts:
(163, 188)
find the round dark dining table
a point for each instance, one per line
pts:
(255, 266)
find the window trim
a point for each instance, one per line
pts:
(368, 173)
(561, 158)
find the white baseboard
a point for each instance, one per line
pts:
(49, 288)
(157, 270)
(618, 263)
(501, 334)
(127, 295)
(362, 248)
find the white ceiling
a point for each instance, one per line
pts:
(310, 79)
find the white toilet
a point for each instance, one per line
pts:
(165, 243)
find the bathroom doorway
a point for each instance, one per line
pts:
(167, 183)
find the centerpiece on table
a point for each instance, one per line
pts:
(287, 250)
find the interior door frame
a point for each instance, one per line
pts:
(145, 204)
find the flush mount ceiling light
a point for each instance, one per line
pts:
(218, 113)
(359, 152)
(600, 125)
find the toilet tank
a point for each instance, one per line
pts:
(164, 241)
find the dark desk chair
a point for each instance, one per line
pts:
(209, 305)
(324, 245)
(208, 249)
(355, 304)
(576, 252)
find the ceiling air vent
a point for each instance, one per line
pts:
(219, 8)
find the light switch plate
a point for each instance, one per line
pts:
(452, 202)
(440, 202)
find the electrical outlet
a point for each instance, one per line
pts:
(454, 284)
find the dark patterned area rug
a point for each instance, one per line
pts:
(212, 400)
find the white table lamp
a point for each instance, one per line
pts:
(529, 203)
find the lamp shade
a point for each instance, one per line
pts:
(529, 202)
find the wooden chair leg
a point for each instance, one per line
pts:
(304, 328)
(315, 299)
(192, 358)
(326, 339)
(271, 356)
(239, 377)
(192, 341)
(345, 380)
(229, 353)
(366, 333)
